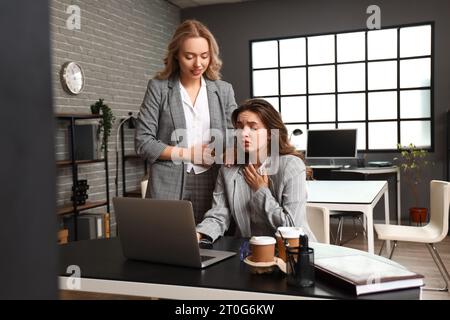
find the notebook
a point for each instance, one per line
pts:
(364, 274)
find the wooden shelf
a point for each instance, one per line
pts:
(133, 194)
(84, 116)
(89, 205)
(69, 208)
(65, 163)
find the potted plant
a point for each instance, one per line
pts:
(412, 162)
(106, 122)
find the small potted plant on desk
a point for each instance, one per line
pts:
(412, 162)
(106, 122)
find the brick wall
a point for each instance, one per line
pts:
(120, 46)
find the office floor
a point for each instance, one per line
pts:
(413, 256)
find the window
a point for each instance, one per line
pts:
(378, 81)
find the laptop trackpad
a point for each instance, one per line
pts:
(205, 258)
(213, 256)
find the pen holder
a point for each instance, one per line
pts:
(300, 267)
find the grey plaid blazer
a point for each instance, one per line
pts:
(262, 212)
(160, 114)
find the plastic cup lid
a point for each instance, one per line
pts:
(262, 241)
(289, 232)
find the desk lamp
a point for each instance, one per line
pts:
(131, 125)
(296, 132)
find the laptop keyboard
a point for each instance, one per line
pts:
(205, 258)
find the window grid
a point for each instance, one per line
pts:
(336, 92)
(366, 70)
(336, 103)
(307, 81)
(342, 63)
(398, 84)
(279, 77)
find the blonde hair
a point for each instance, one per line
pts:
(191, 29)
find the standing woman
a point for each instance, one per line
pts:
(182, 104)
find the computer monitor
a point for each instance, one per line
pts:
(331, 144)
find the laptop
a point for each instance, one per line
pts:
(162, 231)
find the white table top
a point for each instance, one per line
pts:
(334, 191)
(371, 170)
(319, 166)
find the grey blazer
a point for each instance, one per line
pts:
(262, 212)
(160, 115)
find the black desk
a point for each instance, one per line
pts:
(105, 270)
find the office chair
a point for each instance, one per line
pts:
(144, 184)
(319, 222)
(435, 231)
(341, 215)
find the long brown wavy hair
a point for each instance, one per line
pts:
(191, 29)
(271, 119)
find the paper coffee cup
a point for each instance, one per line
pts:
(263, 249)
(289, 234)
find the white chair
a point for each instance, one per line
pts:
(144, 184)
(319, 222)
(435, 231)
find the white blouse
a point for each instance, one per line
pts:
(197, 121)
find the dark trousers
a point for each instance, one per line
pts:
(198, 190)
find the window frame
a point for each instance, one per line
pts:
(366, 92)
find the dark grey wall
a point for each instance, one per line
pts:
(28, 266)
(235, 24)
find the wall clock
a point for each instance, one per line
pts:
(72, 77)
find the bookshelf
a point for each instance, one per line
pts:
(74, 208)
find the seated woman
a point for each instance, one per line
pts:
(259, 200)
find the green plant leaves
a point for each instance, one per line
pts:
(106, 122)
(412, 162)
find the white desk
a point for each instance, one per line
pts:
(331, 167)
(351, 196)
(374, 171)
